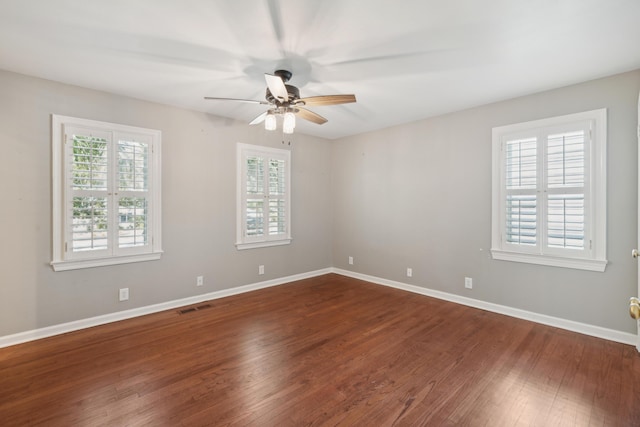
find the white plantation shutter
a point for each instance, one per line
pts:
(106, 189)
(87, 207)
(133, 194)
(278, 215)
(254, 208)
(566, 172)
(521, 183)
(549, 200)
(263, 197)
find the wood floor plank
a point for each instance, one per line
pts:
(330, 350)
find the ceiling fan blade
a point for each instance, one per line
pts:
(310, 115)
(276, 20)
(276, 87)
(237, 100)
(259, 119)
(327, 100)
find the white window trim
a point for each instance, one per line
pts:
(242, 242)
(60, 262)
(596, 214)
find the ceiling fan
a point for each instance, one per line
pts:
(284, 100)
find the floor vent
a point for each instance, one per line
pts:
(192, 309)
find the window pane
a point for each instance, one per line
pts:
(255, 175)
(521, 217)
(263, 194)
(89, 223)
(133, 165)
(255, 217)
(89, 165)
(277, 219)
(565, 221)
(132, 222)
(521, 166)
(565, 160)
(276, 177)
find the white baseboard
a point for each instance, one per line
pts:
(49, 331)
(583, 328)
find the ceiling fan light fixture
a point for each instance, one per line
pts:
(270, 122)
(289, 122)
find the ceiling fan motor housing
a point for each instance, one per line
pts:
(283, 74)
(294, 94)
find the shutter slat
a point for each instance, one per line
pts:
(521, 219)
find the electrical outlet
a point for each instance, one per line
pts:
(124, 294)
(261, 269)
(199, 280)
(409, 272)
(350, 260)
(468, 282)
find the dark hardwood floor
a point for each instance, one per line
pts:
(324, 351)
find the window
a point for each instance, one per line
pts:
(106, 193)
(263, 197)
(549, 191)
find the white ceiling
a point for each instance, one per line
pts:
(404, 60)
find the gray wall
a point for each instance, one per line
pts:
(419, 196)
(198, 186)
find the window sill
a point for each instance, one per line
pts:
(102, 262)
(254, 245)
(553, 261)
